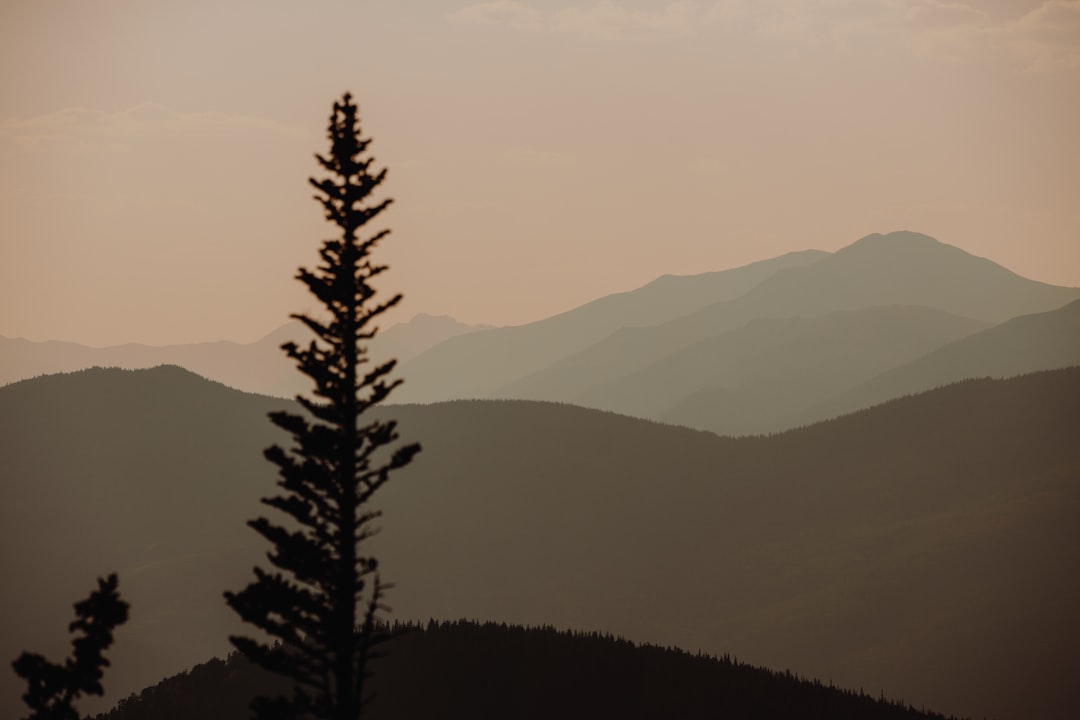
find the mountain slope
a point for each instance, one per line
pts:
(475, 366)
(260, 366)
(467, 670)
(901, 268)
(927, 548)
(774, 366)
(1026, 344)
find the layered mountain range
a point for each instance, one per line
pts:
(752, 350)
(926, 548)
(258, 366)
(923, 543)
(774, 344)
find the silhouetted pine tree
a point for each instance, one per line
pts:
(52, 688)
(321, 603)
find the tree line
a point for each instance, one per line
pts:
(486, 671)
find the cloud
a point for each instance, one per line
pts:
(937, 13)
(1047, 38)
(80, 129)
(725, 10)
(598, 19)
(841, 21)
(608, 21)
(501, 12)
(791, 21)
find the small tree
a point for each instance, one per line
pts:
(52, 689)
(321, 603)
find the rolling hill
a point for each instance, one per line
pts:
(489, 672)
(926, 548)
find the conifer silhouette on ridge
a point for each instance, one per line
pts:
(52, 689)
(320, 604)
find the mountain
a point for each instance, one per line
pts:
(489, 671)
(260, 366)
(900, 268)
(404, 341)
(926, 548)
(738, 381)
(1041, 341)
(477, 365)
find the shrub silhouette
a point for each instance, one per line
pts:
(52, 689)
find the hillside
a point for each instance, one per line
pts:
(468, 670)
(900, 268)
(259, 366)
(1030, 343)
(926, 548)
(739, 381)
(478, 365)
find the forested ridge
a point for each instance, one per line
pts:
(927, 547)
(465, 669)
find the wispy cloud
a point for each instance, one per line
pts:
(1046, 38)
(598, 19)
(725, 10)
(508, 13)
(789, 21)
(607, 20)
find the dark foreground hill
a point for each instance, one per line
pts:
(927, 548)
(490, 672)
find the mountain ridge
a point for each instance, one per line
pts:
(465, 368)
(480, 671)
(1022, 345)
(258, 366)
(770, 364)
(900, 268)
(913, 542)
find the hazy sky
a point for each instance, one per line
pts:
(154, 154)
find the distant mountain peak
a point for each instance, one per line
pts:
(915, 251)
(895, 239)
(906, 236)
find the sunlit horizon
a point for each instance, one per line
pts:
(154, 157)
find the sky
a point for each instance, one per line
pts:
(154, 154)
